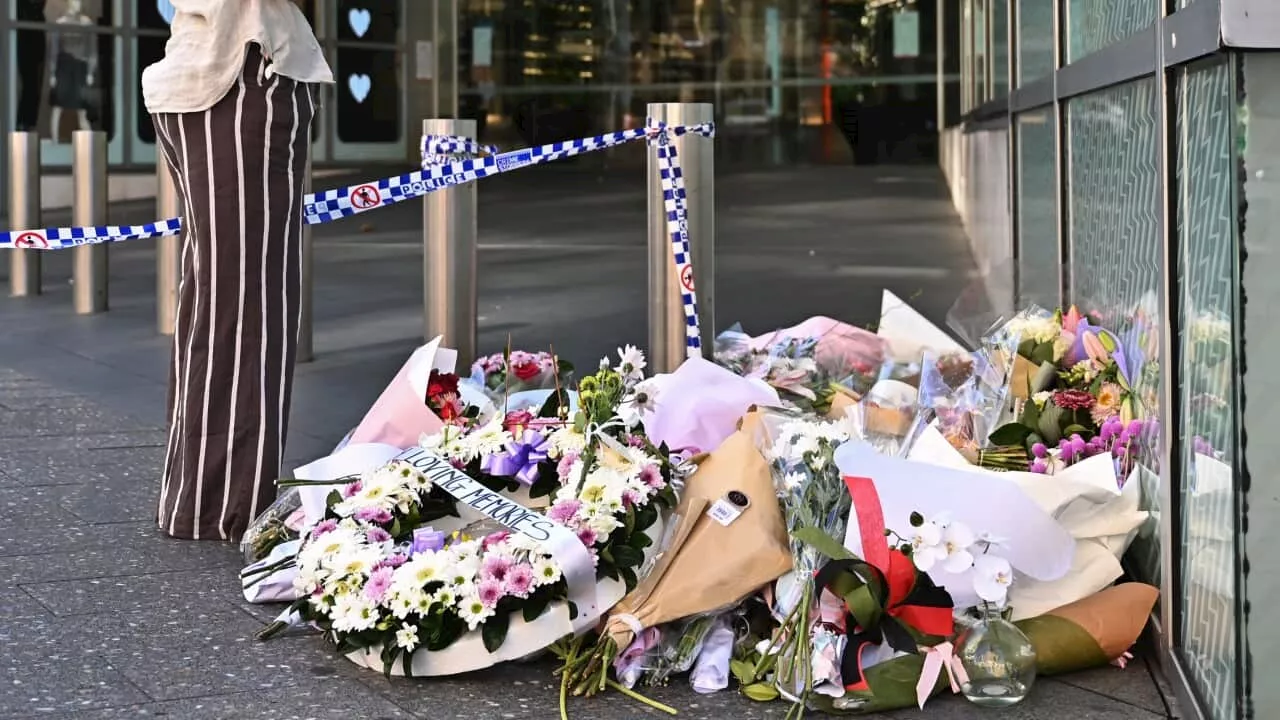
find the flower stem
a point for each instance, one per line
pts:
(263, 572)
(640, 698)
(564, 696)
(298, 482)
(270, 631)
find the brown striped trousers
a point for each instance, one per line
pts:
(239, 168)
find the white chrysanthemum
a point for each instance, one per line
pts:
(565, 440)
(793, 480)
(631, 363)
(421, 570)
(473, 611)
(545, 571)
(358, 561)
(402, 602)
(489, 439)
(407, 637)
(352, 613)
(445, 596)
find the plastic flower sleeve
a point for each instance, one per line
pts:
(986, 302)
(279, 523)
(886, 415)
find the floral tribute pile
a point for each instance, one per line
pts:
(856, 522)
(374, 574)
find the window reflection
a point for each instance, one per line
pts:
(64, 68)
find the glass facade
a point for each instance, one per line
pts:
(1092, 25)
(1205, 202)
(820, 80)
(1034, 40)
(1039, 248)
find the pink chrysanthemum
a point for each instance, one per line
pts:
(564, 511)
(378, 584)
(352, 489)
(377, 535)
(495, 567)
(519, 580)
(377, 516)
(490, 592)
(566, 464)
(323, 527)
(630, 498)
(393, 561)
(494, 538)
(650, 475)
(587, 536)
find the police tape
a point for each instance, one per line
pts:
(338, 203)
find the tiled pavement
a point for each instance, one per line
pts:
(102, 617)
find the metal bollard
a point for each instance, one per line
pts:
(449, 256)
(306, 341)
(24, 210)
(89, 262)
(168, 251)
(666, 313)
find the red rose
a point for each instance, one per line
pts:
(526, 370)
(440, 384)
(515, 421)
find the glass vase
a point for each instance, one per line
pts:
(998, 659)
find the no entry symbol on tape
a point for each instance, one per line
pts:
(30, 240)
(686, 277)
(364, 197)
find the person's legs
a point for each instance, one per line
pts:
(239, 170)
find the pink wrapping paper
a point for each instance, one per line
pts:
(400, 416)
(839, 344)
(699, 405)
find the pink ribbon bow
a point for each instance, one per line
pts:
(936, 658)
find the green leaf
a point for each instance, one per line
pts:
(1050, 424)
(1061, 645)
(1074, 429)
(629, 578)
(535, 606)
(823, 543)
(1010, 434)
(743, 671)
(1042, 354)
(625, 556)
(760, 692)
(494, 631)
(639, 541)
(1026, 347)
(1030, 414)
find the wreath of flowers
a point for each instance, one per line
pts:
(375, 575)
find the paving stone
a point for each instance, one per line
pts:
(134, 592)
(73, 419)
(63, 683)
(308, 701)
(86, 441)
(1134, 685)
(131, 500)
(25, 509)
(107, 551)
(99, 467)
(1049, 698)
(16, 604)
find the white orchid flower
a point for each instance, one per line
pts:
(991, 578)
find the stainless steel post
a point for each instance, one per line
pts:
(168, 251)
(24, 210)
(666, 312)
(89, 262)
(449, 256)
(306, 347)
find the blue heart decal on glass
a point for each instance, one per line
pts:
(166, 10)
(359, 19)
(359, 85)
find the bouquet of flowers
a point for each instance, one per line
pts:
(810, 365)
(379, 580)
(517, 371)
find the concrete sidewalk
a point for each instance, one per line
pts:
(103, 617)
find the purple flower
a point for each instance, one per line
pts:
(564, 511)
(377, 535)
(1039, 450)
(352, 489)
(587, 537)
(490, 591)
(393, 561)
(378, 516)
(378, 584)
(1039, 466)
(566, 464)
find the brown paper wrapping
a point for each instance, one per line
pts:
(1114, 617)
(710, 566)
(886, 421)
(843, 401)
(1024, 372)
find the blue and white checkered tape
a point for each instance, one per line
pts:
(447, 161)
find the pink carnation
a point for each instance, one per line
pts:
(566, 463)
(587, 536)
(519, 580)
(494, 538)
(490, 592)
(630, 498)
(352, 489)
(651, 476)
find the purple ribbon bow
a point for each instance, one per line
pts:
(519, 459)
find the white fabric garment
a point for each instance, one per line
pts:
(204, 54)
